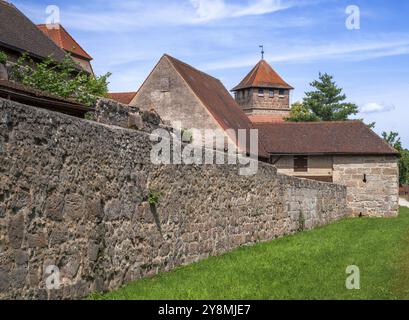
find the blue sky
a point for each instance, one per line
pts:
(222, 37)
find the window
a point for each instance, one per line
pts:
(281, 92)
(300, 164)
(261, 92)
(271, 93)
(164, 84)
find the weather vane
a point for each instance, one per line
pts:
(262, 51)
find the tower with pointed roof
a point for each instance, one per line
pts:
(263, 93)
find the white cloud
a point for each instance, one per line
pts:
(374, 107)
(208, 10)
(122, 16)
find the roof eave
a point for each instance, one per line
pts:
(334, 153)
(242, 87)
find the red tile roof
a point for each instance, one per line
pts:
(263, 76)
(347, 137)
(266, 118)
(215, 97)
(64, 40)
(122, 97)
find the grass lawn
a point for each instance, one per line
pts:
(309, 265)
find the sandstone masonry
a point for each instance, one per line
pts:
(74, 194)
(372, 183)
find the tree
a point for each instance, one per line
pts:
(63, 79)
(326, 103)
(394, 140)
(300, 113)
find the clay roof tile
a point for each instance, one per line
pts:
(64, 40)
(122, 97)
(342, 137)
(263, 76)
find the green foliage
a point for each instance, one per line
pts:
(308, 265)
(300, 113)
(326, 103)
(60, 79)
(90, 116)
(404, 167)
(394, 140)
(370, 125)
(153, 198)
(3, 57)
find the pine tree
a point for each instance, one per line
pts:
(326, 103)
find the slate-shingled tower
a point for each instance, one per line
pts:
(263, 93)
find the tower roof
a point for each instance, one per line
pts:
(263, 76)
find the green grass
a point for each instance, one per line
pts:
(309, 265)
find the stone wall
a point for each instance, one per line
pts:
(372, 183)
(74, 194)
(129, 117)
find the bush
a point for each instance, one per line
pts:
(62, 79)
(3, 57)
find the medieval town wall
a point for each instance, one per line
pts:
(85, 197)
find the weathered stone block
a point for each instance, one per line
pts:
(94, 208)
(58, 236)
(54, 207)
(18, 277)
(2, 211)
(135, 121)
(16, 231)
(74, 207)
(4, 281)
(93, 251)
(70, 270)
(21, 257)
(38, 240)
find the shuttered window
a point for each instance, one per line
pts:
(300, 164)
